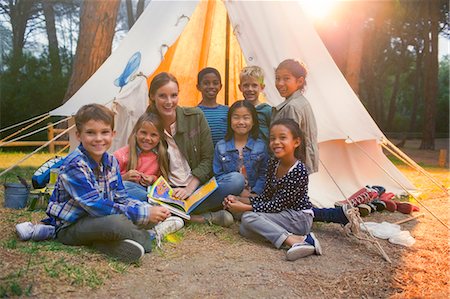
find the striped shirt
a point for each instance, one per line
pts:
(217, 121)
(86, 188)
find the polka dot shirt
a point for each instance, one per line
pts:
(288, 192)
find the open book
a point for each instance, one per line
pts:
(161, 192)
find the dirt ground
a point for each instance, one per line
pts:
(211, 262)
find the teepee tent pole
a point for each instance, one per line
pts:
(401, 185)
(386, 144)
(36, 150)
(24, 128)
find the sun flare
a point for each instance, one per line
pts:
(318, 9)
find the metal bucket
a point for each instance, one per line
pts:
(16, 195)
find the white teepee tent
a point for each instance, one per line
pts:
(267, 32)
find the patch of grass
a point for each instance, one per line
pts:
(77, 274)
(119, 267)
(11, 243)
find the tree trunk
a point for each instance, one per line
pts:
(431, 76)
(53, 48)
(20, 12)
(140, 8)
(418, 90)
(97, 28)
(130, 14)
(355, 48)
(393, 102)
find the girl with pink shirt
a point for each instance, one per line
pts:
(144, 159)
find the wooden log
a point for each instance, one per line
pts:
(410, 218)
(51, 135)
(442, 157)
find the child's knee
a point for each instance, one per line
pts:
(247, 218)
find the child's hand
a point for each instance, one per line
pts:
(132, 175)
(236, 206)
(181, 193)
(228, 199)
(147, 180)
(157, 214)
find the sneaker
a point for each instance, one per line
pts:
(364, 210)
(379, 205)
(169, 226)
(221, 218)
(127, 251)
(362, 196)
(352, 215)
(25, 230)
(43, 232)
(299, 250)
(312, 240)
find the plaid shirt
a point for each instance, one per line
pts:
(86, 188)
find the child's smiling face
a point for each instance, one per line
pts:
(209, 86)
(287, 83)
(147, 137)
(250, 88)
(241, 121)
(282, 142)
(96, 137)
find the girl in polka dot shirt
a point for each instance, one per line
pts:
(282, 213)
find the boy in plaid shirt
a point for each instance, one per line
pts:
(89, 205)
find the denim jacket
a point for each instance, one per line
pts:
(226, 160)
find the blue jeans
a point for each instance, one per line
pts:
(135, 191)
(230, 183)
(333, 215)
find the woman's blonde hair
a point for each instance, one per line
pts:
(161, 149)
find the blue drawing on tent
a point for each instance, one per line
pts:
(131, 68)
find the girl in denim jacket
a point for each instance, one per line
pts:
(241, 150)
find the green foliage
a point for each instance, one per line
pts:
(442, 118)
(32, 91)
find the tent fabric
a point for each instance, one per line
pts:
(160, 24)
(350, 167)
(128, 106)
(202, 44)
(272, 31)
(267, 32)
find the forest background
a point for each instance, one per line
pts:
(387, 50)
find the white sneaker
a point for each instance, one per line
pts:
(299, 250)
(169, 226)
(25, 230)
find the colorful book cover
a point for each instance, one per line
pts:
(161, 191)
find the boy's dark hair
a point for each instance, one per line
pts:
(93, 112)
(158, 81)
(294, 128)
(296, 68)
(254, 132)
(205, 71)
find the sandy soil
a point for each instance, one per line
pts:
(211, 262)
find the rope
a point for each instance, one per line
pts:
(23, 129)
(411, 163)
(400, 184)
(332, 178)
(34, 132)
(36, 150)
(63, 149)
(23, 122)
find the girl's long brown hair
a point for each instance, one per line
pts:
(163, 157)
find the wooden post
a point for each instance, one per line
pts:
(51, 135)
(442, 157)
